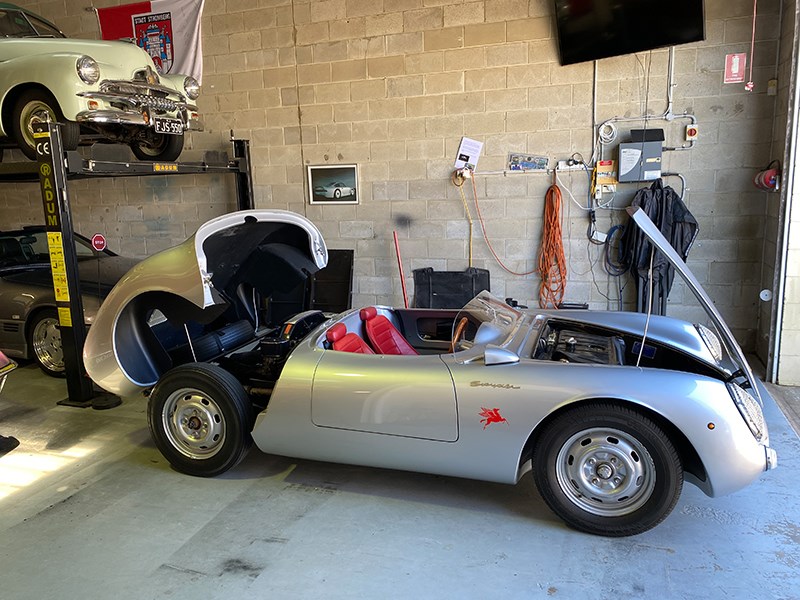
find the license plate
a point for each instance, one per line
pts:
(168, 126)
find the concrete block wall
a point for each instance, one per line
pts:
(393, 86)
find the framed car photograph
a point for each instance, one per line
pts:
(333, 184)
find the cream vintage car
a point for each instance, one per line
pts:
(99, 90)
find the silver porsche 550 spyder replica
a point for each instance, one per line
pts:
(610, 410)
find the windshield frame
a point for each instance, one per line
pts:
(489, 321)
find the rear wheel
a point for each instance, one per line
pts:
(44, 339)
(158, 147)
(200, 419)
(39, 106)
(607, 470)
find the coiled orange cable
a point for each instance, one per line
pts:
(552, 263)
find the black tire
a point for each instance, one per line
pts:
(44, 342)
(607, 470)
(337, 193)
(158, 147)
(34, 105)
(200, 418)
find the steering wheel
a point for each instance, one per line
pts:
(458, 333)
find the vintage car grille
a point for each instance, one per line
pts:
(155, 102)
(143, 93)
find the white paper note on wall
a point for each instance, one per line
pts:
(468, 153)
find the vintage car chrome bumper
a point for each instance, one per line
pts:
(772, 458)
(139, 102)
(129, 117)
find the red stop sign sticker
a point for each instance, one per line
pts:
(99, 242)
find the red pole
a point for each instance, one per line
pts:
(400, 266)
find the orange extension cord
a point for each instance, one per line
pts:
(552, 264)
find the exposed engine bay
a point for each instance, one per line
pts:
(573, 342)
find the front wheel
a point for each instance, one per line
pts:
(200, 419)
(44, 340)
(607, 470)
(158, 147)
(39, 106)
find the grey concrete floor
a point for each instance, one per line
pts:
(89, 509)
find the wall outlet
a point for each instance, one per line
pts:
(599, 237)
(563, 165)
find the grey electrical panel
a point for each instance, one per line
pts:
(640, 159)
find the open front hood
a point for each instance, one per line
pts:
(734, 350)
(197, 280)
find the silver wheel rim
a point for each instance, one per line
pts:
(605, 472)
(47, 344)
(193, 423)
(34, 112)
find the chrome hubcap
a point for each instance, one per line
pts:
(193, 423)
(34, 112)
(605, 472)
(47, 344)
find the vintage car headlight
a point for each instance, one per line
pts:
(88, 69)
(711, 340)
(750, 409)
(192, 87)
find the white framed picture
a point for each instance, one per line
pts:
(333, 184)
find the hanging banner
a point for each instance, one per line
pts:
(168, 30)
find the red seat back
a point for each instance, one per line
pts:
(384, 336)
(346, 342)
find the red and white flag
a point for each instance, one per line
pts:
(168, 30)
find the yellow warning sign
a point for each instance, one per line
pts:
(60, 288)
(64, 318)
(54, 243)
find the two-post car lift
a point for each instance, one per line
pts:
(53, 169)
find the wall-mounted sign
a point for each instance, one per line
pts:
(734, 67)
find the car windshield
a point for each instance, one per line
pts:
(16, 24)
(485, 320)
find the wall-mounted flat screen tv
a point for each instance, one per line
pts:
(592, 29)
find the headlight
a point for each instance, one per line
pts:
(88, 69)
(750, 409)
(712, 342)
(192, 87)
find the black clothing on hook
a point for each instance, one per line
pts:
(668, 212)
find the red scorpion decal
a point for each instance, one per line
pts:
(491, 415)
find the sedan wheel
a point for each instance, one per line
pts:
(200, 419)
(45, 343)
(607, 470)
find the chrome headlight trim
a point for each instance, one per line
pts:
(88, 70)
(192, 87)
(750, 410)
(711, 341)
